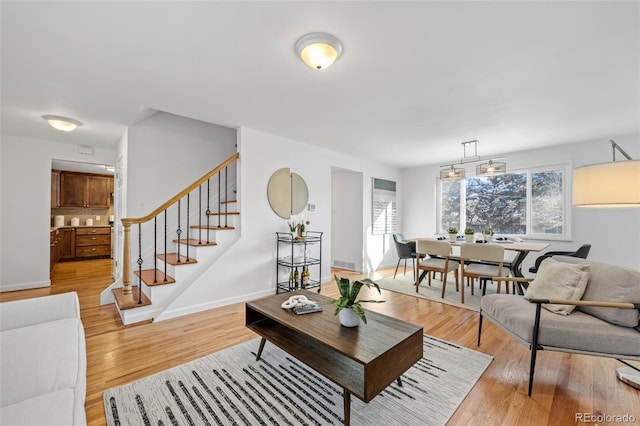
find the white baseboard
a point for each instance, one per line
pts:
(25, 286)
(211, 305)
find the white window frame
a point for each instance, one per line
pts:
(567, 207)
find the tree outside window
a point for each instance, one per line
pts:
(504, 203)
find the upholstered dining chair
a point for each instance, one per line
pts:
(438, 261)
(405, 250)
(480, 260)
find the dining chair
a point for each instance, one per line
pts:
(438, 261)
(480, 260)
(405, 250)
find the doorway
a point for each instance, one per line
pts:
(82, 217)
(347, 221)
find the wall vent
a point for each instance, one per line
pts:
(344, 265)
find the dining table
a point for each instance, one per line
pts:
(522, 249)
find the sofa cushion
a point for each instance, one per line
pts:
(609, 283)
(558, 280)
(54, 408)
(41, 359)
(576, 332)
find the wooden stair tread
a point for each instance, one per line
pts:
(213, 228)
(130, 301)
(228, 201)
(147, 277)
(194, 242)
(222, 213)
(172, 259)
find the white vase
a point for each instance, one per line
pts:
(348, 318)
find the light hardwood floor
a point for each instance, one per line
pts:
(565, 384)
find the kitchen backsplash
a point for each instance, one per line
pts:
(82, 214)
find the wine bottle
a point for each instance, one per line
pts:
(305, 277)
(290, 279)
(296, 278)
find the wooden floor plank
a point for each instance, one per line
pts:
(565, 383)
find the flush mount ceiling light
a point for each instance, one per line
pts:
(318, 50)
(490, 168)
(63, 124)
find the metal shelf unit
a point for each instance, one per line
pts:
(287, 261)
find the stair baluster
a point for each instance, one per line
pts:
(200, 215)
(155, 249)
(140, 261)
(165, 244)
(226, 204)
(187, 240)
(178, 231)
(208, 205)
(219, 199)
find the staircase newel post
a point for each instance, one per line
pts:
(126, 260)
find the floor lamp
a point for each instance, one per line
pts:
(610, 185)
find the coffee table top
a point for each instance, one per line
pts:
(363, 344)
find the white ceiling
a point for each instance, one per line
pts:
(415, 79)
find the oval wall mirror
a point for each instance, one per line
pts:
(287, 192)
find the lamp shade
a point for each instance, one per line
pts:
(318, 50)
(615, 184)
(452, 173)
(491, 168)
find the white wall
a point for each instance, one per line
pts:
(599, 227)
(25, 191)
(166, 153)
(248, 269)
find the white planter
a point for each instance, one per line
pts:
(348, 318)
(468, 238)
(452, 238)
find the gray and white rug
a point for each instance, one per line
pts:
(232, 388)
(405, 284)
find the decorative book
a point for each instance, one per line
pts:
(306, 308)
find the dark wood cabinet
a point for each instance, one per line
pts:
(93, 242)
(85, 190)
(55, 188)
(67, 243)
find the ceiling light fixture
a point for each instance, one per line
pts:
(615, 184)
(63, 124)
(318, 50)
(490, 168)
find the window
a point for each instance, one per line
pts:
(527, 203)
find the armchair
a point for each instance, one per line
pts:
(582, 252)
(604, 323)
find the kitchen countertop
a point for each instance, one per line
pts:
(54, 228)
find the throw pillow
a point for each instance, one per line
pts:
(558, 280)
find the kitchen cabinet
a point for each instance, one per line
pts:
(67, 243)
(85, 190)
(93, 241)
(54, 249)
(55, 188)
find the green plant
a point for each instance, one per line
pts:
(349, 293)
(469, 231)
(453, 230)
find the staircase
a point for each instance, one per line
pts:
(174, 245)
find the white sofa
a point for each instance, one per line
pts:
(43, 363)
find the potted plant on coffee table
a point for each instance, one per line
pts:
(347, 307)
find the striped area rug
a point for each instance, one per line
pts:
(232, 388)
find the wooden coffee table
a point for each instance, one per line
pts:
(363, 360)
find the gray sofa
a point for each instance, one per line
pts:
(604, 323)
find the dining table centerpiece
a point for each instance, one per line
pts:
(453, 234)
(348, 309)
(468, 234)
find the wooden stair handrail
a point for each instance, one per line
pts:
(180, 195)
(127, 290)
